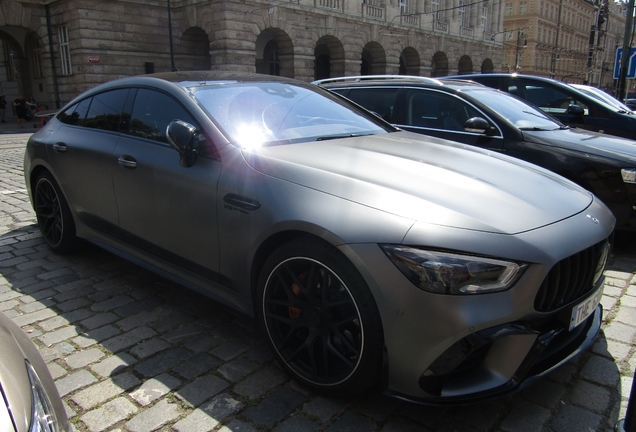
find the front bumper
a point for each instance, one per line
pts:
(488, 364)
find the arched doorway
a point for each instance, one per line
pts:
(465, 65)
(328, 58)
(440, 64)
(487, 66)
(409, 62)
(373, 59)
(21, 67)
(274, 53)
(193, 50)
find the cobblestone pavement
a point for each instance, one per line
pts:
(131, 351)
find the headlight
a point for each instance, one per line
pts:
(42, 415)
(629, 175)
(448, 273)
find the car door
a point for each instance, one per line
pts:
(81, 155)
(165, 209)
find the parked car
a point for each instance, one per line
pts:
(561, 100)
(490, 119)
(371, 256)
(602, 95)
(30, 401)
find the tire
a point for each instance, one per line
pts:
(320, 318)
(53, 215)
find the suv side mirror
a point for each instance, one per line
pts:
(575, 110)
(479, 125)
(182, 137)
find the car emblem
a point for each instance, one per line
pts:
(593, 219)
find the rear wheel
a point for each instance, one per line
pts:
(321, 319)
(53, 214)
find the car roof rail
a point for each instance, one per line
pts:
(360, 78)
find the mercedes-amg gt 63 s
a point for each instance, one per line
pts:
(373, 257)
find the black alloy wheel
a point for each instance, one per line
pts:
(53, 215)
(315, 321)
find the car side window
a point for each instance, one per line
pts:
(437, 110)
(105, 110)
(378, 100)
(550, 99)
(152, 113)
(75, 114)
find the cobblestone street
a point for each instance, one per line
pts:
(132, 351)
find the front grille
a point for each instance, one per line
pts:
(569, 279)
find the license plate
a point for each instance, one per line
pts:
(583, 310)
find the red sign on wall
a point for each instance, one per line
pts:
(94, 59)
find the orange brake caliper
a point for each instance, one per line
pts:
(294, 312)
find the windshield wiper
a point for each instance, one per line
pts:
(535, 128)
(331, 137)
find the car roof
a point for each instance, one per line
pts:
(362, 80)
(508, 75)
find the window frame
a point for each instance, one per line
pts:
(65, 52)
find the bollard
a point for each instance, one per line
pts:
(628, 424)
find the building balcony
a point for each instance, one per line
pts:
(373, 12)
(332, 5)
(440, 26)
(466, 32)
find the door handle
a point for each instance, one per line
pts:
(60, 147)
(127, 161)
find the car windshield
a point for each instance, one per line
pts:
(259, 114)
(602, 96)
(516, 111)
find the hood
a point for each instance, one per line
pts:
(584, 141)
(428, 180)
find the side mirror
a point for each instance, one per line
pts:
(575, 110)
(182, 137)
(479, 125)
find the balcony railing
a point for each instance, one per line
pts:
(334, 5)
(440, 26)
(374, 12)
(410, 20)
(465, 31)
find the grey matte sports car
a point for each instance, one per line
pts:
(372, 256)
(29, 400)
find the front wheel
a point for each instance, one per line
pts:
(53, 214)
(321, 319)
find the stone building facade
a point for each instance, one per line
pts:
(563, 39)
(55, 49)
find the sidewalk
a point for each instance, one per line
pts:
(11, 125)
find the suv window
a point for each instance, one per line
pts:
(549, 98)
(152, 112)
(105, 110)
(379, 100)
(437, 110)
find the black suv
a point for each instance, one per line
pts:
(566, 103)
(474, 114)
